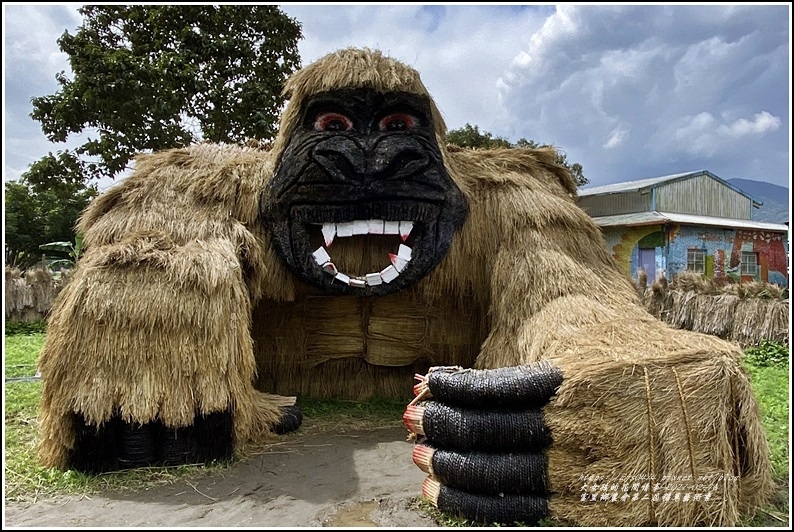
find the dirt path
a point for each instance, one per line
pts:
(359, 478)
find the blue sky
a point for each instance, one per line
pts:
(629, 91)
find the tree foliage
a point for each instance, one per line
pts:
(471, 137)
(151, 77)
(36, 216)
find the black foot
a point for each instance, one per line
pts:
(121, 445)
(291, 419)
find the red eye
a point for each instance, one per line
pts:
(332, 122)
(397, 122)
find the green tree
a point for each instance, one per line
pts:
(151, 77)
(471, 137)
(35, 217)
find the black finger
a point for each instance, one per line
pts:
(488, 473)
(454, 428)
(208, 439)
(514, 387)
(503, 509)
(212, 437)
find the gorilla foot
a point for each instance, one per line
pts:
(291, 419)
(117, 444)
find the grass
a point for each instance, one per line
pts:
(771, 386)
(26, 480)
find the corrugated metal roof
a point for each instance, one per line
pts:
(627, 186)
(654, 218)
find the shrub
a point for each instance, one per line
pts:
(767, 353)
(25, 327)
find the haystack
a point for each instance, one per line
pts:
(44, 287)
(745, 313)
(17, 295)
(29, 295)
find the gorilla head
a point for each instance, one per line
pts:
(361, 201)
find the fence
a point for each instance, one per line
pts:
(745, 313)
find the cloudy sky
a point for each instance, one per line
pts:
(627, 91)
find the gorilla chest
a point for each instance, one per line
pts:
(321, 335)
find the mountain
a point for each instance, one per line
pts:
(775, 199)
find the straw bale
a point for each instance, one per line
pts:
(29, 295)
(43, 287)
(742, 312)
(776, 322)
(692, 282)
(717, 318)
(745, 321)
(354, 348)
(642, 282)
(17, 295)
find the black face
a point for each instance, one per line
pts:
(361, 202)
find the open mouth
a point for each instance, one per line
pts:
(376, 248)
(399, 260)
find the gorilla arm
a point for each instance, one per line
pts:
(148, 357)
(639, 402)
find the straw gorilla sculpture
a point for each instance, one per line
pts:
(358, 252)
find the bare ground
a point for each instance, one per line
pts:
(363, 478)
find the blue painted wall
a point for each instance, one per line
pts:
(722, 247)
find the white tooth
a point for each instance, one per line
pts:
(330, 267)
(358, 283)
(344, 229)
(321, 256)
(375, 227)
(373, 279)
(342, 278)
(391, 228)
(405, 229)
(329, 232)
(398, 262)
(360, 227)
(389, 274)
(404, 252)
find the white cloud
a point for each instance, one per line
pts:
(761, 123)
(616, 138)
(683, 80)
(696, 136)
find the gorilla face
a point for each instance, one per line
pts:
(361, 202)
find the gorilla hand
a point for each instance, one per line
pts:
(480, 436)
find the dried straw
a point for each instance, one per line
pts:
(745, 313)
(180, 305)
(29, 295)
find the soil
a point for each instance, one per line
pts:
(359, 478)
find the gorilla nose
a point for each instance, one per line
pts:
(390, 158)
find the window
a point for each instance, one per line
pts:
(696, 260)
(749, 263)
